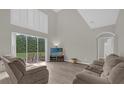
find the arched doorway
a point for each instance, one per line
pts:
(105, 44)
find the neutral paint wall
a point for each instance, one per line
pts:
(6, 28)
(120, 33)
(77, 39)
(101, 42)
(68, 27)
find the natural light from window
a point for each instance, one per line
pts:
(29, 48)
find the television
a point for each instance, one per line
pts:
(56, 52)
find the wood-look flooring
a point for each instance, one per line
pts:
(63, 72)
(59, 73)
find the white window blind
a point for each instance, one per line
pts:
(31, 19)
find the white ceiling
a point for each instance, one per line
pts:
(96, 18)
(57, 10)
(99, 17)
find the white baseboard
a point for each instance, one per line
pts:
(78, 62)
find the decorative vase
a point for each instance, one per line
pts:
(74, 60)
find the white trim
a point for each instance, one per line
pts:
(26, 50)
(38, 49)
(13, 42)
(80, 62)
(113, 34)
(46, 50)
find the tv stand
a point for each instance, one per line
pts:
(57, 58)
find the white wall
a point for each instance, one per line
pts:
(77, 39)
(120, 33)
(68, 27)
(6, 28)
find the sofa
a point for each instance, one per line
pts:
(112, 72)
(21, 73)
(96, 67)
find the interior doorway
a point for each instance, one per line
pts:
(105, 44)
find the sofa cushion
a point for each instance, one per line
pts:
(91, 72)
(113, 63)
(109, 63)
(87, 78)
(34, 77)
(111, 56)
(99, 62)
(117, 74)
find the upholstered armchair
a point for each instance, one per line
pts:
(20, 73)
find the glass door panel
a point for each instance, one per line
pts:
(21, 46)
(41, 49)
(31, 49)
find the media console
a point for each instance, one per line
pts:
(56, 55)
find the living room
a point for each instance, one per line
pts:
(79, 32)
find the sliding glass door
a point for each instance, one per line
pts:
(30, 48)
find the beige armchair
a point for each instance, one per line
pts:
(20, 73)
(113, 73)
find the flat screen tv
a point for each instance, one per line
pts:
(56, 51)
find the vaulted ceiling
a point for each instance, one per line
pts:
(97, 18)
(57, 10)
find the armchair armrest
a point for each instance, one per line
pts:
(31, 70)
(90, 79)
(35, 67)
(95, 68)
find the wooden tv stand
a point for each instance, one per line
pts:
(56, 58)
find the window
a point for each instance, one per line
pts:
(31, 19)
(29, 48)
